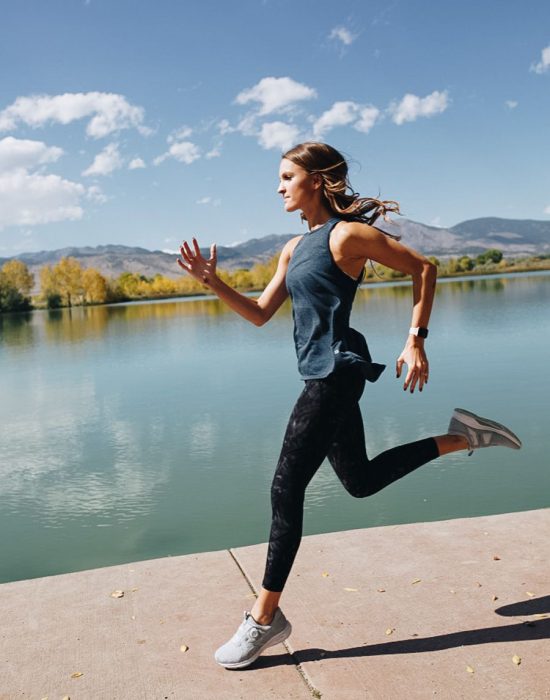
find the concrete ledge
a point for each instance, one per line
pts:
(417, 611)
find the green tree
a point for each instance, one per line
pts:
(493, 255)
(11, 298)
(465, 263)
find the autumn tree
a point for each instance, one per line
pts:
(16, 273)
(94, 286)
(62, 283)
(16, 283)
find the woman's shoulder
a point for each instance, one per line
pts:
(290, 245)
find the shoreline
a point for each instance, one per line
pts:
(207, 295)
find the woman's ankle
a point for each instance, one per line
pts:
(263, 617)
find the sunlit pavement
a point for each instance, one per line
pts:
(450, 609)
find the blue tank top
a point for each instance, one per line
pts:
(322, 296)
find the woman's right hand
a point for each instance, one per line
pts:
(196, 264)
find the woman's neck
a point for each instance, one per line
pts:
(317, 218)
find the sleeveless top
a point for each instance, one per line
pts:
(322, 296)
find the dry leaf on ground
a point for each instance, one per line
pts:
(495, 597)
(381, 590)
(77, 674)
(496, 557)
(325, 573)
(117, 594)
(351, 589)
(516, 659)
(390, 630)
(184, 647)
(416, 580)
(531, 595)
(470, 669)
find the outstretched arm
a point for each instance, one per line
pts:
(257, 311)
(363, 241)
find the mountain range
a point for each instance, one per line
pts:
(514, 237)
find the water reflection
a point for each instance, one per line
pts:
(79, 324)
(164, 420)
(16, 330)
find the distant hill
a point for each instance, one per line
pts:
(512, 236)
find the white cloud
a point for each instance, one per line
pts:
(27, 199)
(544, 64)
(411, 107)
(342, 34)
(275, 94)
(136, 163)
(181, 134)
(105, 162)
(224, 127)
(247, 125)
(209, 200)
(109, 112)
(362, 117)
(340, 114)
(367, 118)
(24, 153)
(30, 198)
(95, 194)
(183, 151)
(511, 104)
(547, 209)
(278, 135)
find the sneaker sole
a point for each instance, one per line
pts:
(479, 423)
(277, 639)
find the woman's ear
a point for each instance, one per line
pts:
(317, 181)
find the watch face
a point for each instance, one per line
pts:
(423, 332)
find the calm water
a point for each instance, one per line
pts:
(143, 430)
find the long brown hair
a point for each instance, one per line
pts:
(330, 164)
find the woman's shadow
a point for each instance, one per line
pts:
(522, 631)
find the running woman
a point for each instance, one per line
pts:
(321, 271)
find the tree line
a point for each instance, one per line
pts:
(68, 283)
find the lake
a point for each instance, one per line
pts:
(143, 430)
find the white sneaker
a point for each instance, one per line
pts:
(481, 432)
(251, 639)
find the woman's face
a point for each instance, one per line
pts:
(296, 185)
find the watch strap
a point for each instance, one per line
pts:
(419, 331)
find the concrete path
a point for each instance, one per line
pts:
(452, 609)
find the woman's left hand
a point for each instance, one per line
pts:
(414, 357)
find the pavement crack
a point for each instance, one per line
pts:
(315, 692)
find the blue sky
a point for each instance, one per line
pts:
(144, 123)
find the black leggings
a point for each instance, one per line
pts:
(326, 422)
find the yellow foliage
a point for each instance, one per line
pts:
(17, 274)
(94, 286)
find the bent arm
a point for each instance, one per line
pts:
(257, 311)
(360, 241)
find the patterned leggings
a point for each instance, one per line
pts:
(326, 422)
